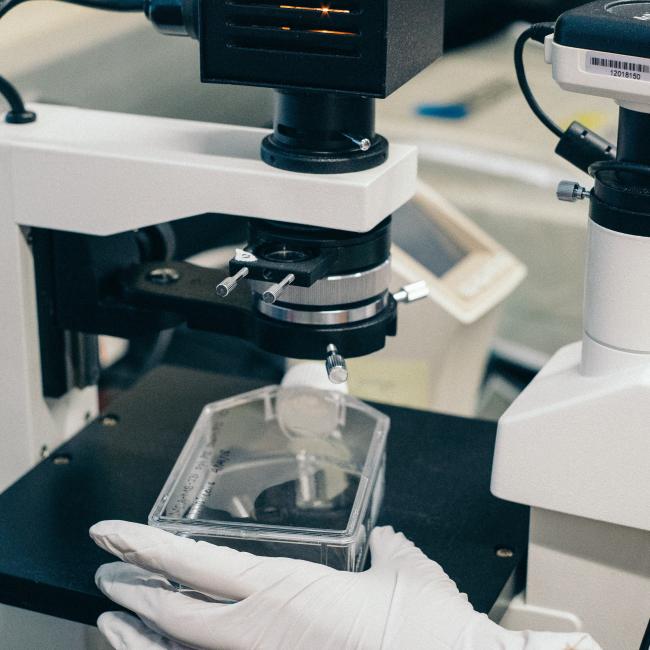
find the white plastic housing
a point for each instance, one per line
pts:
(623, 78)
(576, 440)
(617, 300)
(579, 445)
(103, 173)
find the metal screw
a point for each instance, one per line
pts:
(504, 553)
(163, 276)
(412, 292)
(363, 143)
(273, 293)
(571, 192)
(337, 368)
(109, 420)
(227, 286)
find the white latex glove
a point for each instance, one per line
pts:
(404, 602)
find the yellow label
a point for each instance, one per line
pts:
(404, 382)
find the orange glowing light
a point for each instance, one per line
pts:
(331, 31)
(323, 10)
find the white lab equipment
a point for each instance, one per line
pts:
(574, 445)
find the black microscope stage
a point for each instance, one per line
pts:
(437, 493)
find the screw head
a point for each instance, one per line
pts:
(365, 144)
(61, 459)
(109, 420)
(163, 275)
(504, 553)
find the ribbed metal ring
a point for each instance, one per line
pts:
(323, 317)
(335, 290)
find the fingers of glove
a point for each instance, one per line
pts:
(163, 608)
(394, 551)
(216, 571)
(126, 632)
(389, 548)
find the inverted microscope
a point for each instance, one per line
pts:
(574, 445)
(86, 197)
(90, 202)
(90, 250)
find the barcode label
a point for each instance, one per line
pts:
(620, 67)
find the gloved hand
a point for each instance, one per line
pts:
(404, 602)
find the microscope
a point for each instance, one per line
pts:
(574, 446)
(87, 198)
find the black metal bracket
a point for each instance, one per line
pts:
(122, 286)
(188, 291)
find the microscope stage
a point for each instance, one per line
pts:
(437, 493)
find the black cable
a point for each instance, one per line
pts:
(537, 33)
(17, 114)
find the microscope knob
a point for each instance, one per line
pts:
(337, 368)
(571, 192)
(412, 292)
(273, 293)
(227, 286)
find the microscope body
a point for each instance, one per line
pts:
(85, 196)
(575, 446)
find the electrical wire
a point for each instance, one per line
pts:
(18, 114)
(537, 32)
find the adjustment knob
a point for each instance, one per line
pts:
(570, 191)
(412, 292)
(337, 368)
(228, 285)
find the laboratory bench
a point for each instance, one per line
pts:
(437, 493)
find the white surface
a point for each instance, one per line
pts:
(572, 71)
(584, 436)
(103, 173)
(581, 425)
(521, 615)
(30, 424)
(289, 604)
(585, 575)
(617, 300)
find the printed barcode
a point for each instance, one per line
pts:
(620, 65)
